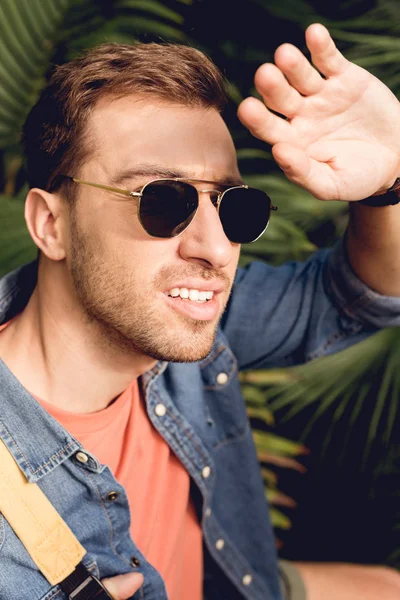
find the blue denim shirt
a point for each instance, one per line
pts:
(276, 316)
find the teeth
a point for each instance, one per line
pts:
(192, 294)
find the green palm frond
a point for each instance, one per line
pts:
(158, 9)
(244, 154)
(282, 241)
(278, 519)
(273, 451)
(88, 24)
(299, 11)
(379, 53)
(234, 93)
(286, 237)
(135, 25)
(370, 39)
(27, 33)
(362, 378)
(296, 204)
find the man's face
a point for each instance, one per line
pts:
(121, 275)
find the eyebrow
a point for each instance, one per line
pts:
(159, 171)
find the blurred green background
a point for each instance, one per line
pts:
(327, 432)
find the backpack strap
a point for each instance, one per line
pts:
(47, 538)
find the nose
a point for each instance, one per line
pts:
(204, 241)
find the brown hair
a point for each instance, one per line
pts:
(53, 134)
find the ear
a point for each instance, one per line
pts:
(45, 219)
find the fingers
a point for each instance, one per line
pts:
(325, 56)
(262, 123)
(298, 70)
(122, 587)
(276, 91)
(286, 86)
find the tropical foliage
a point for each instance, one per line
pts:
(34, 34)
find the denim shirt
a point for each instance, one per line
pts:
(276, 316)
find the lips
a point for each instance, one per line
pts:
(197, 298)
(197, 310)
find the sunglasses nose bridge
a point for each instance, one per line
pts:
(215, 196)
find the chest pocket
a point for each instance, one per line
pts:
(225, 410)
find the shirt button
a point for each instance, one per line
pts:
(112, 496)
(222, 378)
(135, 562)
(206, 472)
(160, 410)
(219, 544)
(82, 457)
(247, 579)
(208, 512)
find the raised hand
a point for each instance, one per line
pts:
(341, 136)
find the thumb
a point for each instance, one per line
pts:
(122, 587)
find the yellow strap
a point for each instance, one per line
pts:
(47, 538)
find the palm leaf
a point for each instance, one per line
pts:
(27, 32)
(138, 24)
(282, 241)
(332, 385)
(153, 7)
(299, 11)
(272, 450)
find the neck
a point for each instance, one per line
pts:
(63, 358)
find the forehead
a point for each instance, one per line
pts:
(128, 131)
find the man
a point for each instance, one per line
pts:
(115, 333)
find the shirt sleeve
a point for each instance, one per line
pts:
(282, 316)
(355, 298)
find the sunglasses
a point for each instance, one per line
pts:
(166, 207)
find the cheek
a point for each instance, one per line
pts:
(122, 223)
(138, 259)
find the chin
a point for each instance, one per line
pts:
(181, 347)
(184, 357)
(179, 354)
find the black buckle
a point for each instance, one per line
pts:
(82, 585)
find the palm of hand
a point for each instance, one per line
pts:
(342, 137)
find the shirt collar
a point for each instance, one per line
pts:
(37, 442)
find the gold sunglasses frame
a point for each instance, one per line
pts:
(139, 194)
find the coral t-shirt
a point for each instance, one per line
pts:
(164, 524)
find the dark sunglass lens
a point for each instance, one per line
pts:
(244, 214)
(167, 207)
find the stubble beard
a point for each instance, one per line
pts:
(123, 320)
